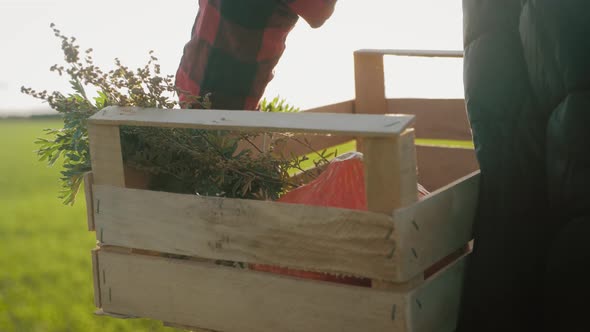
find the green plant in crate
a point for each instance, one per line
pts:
(175, 160)
(277, 104)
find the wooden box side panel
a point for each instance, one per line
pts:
(444, 119)
(106, 155)
(435, 118)
(96, 278)
(236, 300)
(436, 226)
(439, 166)
(216, 298)
(88, 183)
(298, 236)
(434, 306)
(340, 241)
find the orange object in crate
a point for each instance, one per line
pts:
(341, 185)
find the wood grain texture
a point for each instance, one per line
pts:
(237, 300)
(303, 122)
(435, 118)
(88, 181)
(219, 298)
(369, 81)
(413, 53)
(439, 166)
(436, 226)
(345, 107)
(304, 237)
(102, 313)
(186, 327)
(96, 277)
(311, 238)
(106, 156)
(390, 172)
(434, 306)
(316, 142)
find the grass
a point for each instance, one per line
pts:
(45, 267)
(445, 143)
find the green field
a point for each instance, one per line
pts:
(45, 267)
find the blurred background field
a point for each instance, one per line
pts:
(45, 266)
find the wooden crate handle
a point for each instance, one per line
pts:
(414, 53)
(384, 125)
(105, 145)
(390, 163)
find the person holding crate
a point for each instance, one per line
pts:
(236, 44)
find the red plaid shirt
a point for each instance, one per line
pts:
(236, 44)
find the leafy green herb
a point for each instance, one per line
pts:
(174, 160)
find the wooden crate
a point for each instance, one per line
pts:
(399, 244)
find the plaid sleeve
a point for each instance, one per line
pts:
(234, 47)
(315, 12)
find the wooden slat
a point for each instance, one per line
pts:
(302, 122)
(236, 300)
(105, 154)
(102, 313)
(345, 107)
(390, 172)
(186, 327)
(435, 118)
(434, 306)
(219, 298)
(369, 84)
(96, 278)
(317, 142)
(436, 226)
(401, 105)
(398, 286)
(414, 53)
(439, 166)
(88, 180)
(297, 236)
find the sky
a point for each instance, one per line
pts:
(316, 68)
